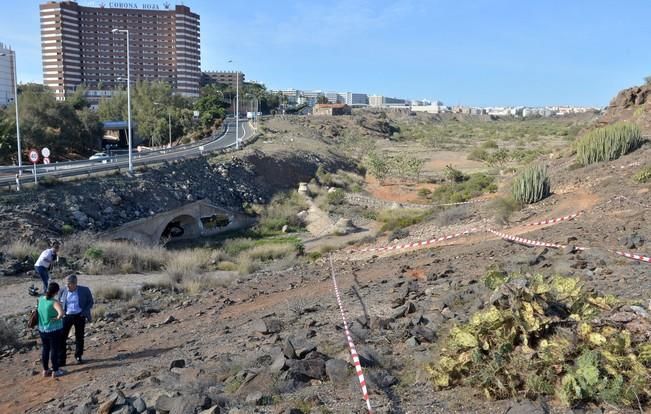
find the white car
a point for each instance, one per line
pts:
(99, 156)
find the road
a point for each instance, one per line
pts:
(75, 168)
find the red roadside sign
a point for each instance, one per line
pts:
(33, 156)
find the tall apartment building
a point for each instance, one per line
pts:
(229, 78)
(78, 46)
(7, 80)
(356, 99)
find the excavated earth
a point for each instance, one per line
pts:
(273, 342)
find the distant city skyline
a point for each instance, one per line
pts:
(480, 53)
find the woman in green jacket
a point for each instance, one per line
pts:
(50, 326)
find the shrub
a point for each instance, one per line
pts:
(452, 215)
(67, 229)
(336, 197)
(281, 211)
(187, 263)
(644, 175)
(503, 207)
(454, 175)
(394, 219)
(539, 331)
(478, 154)
(531, 184)
(474, 186)
(608, 143)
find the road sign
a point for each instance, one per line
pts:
(46, 160)
(33, 156)
(45, 152)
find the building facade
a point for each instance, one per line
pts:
(380, 101)
(229, 78)
(7, 81)
(356, 99)
(78, 47)
(331, 110)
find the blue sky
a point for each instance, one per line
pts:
(473, 52)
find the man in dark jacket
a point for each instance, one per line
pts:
(77, 301)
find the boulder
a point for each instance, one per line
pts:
(337, 371)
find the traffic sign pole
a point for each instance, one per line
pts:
(33, 157)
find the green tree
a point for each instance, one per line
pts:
(113, 108)
(211, 106)
(415, 167)
(322, 100)
(378, 166)
(7, 137)
(44, 121)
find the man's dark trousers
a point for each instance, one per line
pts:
(79, 322)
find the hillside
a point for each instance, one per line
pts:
(272, 340)
(632, 104)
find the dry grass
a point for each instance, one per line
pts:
(112, 257)
(98, 312)
(253, 259)
(115, 293)
(187, 263)
(21, 250)
(200, 283)
(453, 215)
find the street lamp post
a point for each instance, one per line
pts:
(20, 160)
(237, 108)
(128, 94)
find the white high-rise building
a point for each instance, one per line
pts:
(7, 80)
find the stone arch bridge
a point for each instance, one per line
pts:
(200, 218)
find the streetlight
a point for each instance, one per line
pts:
(237, 108)
(20, 161)
(169, 121)
(114, 31)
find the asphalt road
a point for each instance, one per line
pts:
(77, 168)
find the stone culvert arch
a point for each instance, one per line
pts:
(192, 220)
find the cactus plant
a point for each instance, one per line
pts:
(531, 184)
(608, 143)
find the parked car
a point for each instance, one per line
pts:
(99, 156)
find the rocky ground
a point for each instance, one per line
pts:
(273, 342)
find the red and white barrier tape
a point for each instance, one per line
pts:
(458, 204)
(454, 236)
(528, 242)
(554, 221)
(416, 244)
(633, 256)
(351, 345)
(524, 241)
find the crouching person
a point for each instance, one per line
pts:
(77, 302)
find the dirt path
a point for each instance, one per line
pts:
(318, 222)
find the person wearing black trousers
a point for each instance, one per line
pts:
(77, 302)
